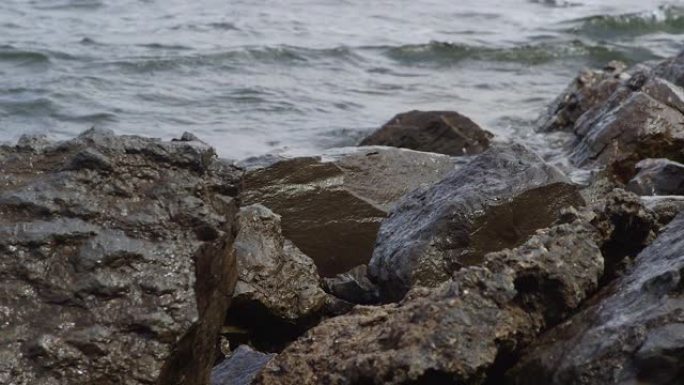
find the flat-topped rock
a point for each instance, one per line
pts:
(331, 206)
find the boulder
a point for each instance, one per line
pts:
(632, 332)
(353, 286)
(276, 281)
(496, 201)
(665, 207)
(331, 206)
(116, 260)
(589, 89)
(658, 177)
(240, 368)
(457, 333)
(672, 69)
(443, 132)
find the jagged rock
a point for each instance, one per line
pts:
(116, 260)
(353, 286)
(672, 69)
(443, 132)
(276, 281)
(455, 333)
(496, 201)
(332, 206)
(665, 208)
(240, 368)
(631, 333)
(588, 89)
(658, 177)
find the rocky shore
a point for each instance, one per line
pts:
(433, 253)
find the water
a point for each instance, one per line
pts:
(260, 76)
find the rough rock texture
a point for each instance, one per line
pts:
(665, 208)
(658, 177)
(332, 206)
(278, 287)
(455, 333)
(240, 368)
(672, 69)
(496, 201)
(443, 132)
(353, 286)
(116, 263)
(632, 333)
(587, 90)
(631, 126)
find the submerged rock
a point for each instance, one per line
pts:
(116, 260)
(658, 177)
(588, 89)
(631, 333)
(496, 201)
(443, 132)
(240, 368)
(455, 333)
(332, 206)
(276, 281)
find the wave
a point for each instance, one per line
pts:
(665, 19)
(20, 56)
(445, 54)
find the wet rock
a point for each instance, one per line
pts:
(658, 177)
(665, 208)
(353, 286)
(116, 260)
(630, 333)
(588, 89)
(496, 201)
(443, 132)
(638, 127)
(672, 69)
(240, 368)
(276, 281)
(332, 206)
(458, 332)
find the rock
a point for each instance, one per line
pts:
(332, 206)
(672, 69)
(638, 127)
(658, 177)
(240, 368)
(630, 333)
(354, 286)
(496, 201)
(443, 132)
(456, 333)
(588, 89)
(276, 281)
(665, 208)
(116, 260)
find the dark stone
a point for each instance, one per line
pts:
(665, 208)
(672, 69)
(277, 283)
(240, 368)
(353, 286)
(496, 201)
(116, 261)
(658, 177)
(630, 333)
(458, 332)
(443, 132)
(332, 206)
(588, 89)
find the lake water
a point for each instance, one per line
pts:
(260, 76)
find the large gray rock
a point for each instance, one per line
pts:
(658, 177)
(443, 132)
(116, 260)
(275, 279)
(456, 333)
(240, 368)
(353, 286)
(632, 333)
(496, 201)
(672, 69)
(332, 206)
